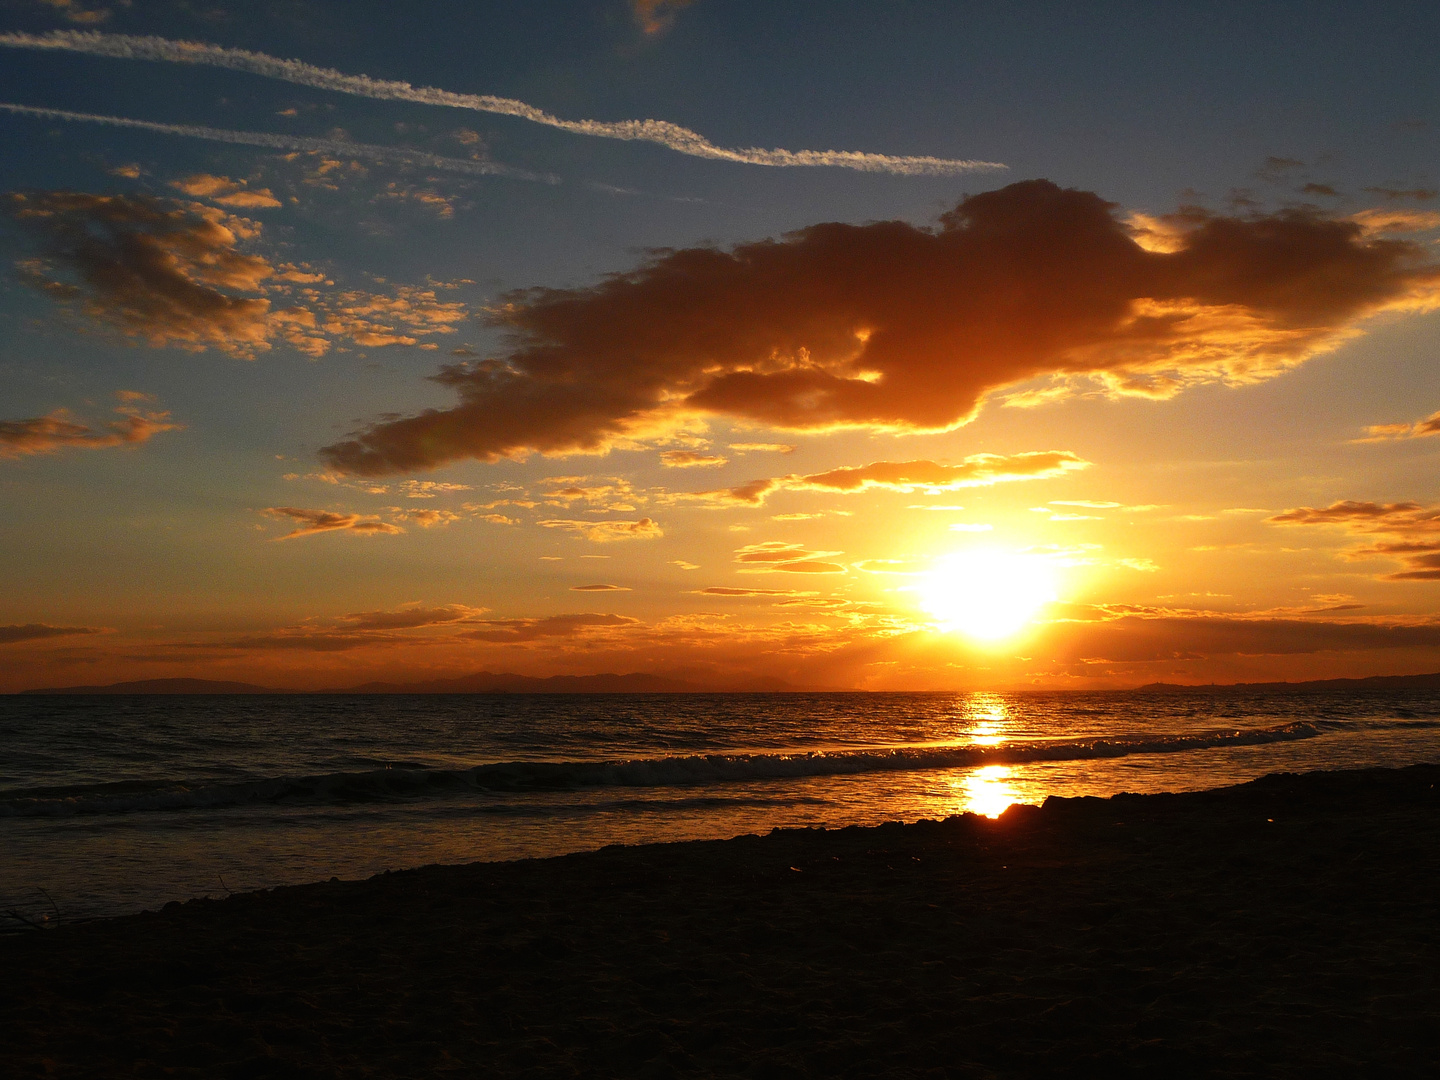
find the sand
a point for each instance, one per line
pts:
(1289, 927)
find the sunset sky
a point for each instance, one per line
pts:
(887, 345)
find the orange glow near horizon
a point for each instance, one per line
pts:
(987, 594)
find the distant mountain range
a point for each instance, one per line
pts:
(483, 682)
(487, 682)
(1373, 682)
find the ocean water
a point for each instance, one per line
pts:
(115, 804)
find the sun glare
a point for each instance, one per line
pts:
(987, 594)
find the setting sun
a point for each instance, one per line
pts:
(987, 594)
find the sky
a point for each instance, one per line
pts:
(888, 345)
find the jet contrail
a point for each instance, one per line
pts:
(680, 139)
(386, 154)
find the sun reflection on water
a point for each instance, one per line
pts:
(988, 720)
(985, 791)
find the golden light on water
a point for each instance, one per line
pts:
(987, 594)
(985, 791)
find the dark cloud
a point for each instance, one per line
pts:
(156, 269)
(59, 431)
(1414, 532)
(556, 626)
(313, 522)
(411, 617)
(172, 273)
(1149, 636)
(1320, 189)
(895, 327)
(10, 635)
(1418, 194)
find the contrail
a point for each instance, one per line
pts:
(387, 154)
(680, 139)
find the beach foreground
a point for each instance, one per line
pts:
(1285, 927)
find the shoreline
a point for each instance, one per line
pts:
(1282, 927)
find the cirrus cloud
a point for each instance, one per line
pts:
(314, 522)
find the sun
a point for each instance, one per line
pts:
(987, 594)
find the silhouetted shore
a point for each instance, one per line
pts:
(1282, 928)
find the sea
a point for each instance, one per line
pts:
(114, 804)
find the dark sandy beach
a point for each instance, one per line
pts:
(1289, 927)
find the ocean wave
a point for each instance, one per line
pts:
(410, 784)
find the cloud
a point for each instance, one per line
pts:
(682, 140)
(564, 626)
(888, 326)
(1418, 194)
(1420, 429)
(690, 459)
(777, 556)
(426, 519)
(1157, 635)
(226, 192)
(604, 531)
(153, 268)
(762, 447)
(78, 13)
(313, 522)
(1415, 530)
(725, 590)
(167, 272)
(11, 635)
(978, 470)
(599, 588)
(408, 618)
(59, 430)
(385, 155)
(653, 17)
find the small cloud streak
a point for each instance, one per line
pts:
(690, 459)
(599, 588)
(1419, 429)
(602, 532)
(556, 626)
(314, 522)
(15, 634)
(653, 17)
(775, 556)
(226, 192)
(60, 431)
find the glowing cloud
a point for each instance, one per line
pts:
(314, 522)
(59, 431)
(892, 327)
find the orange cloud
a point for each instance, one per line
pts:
(689, 459)
(57, 431)
(889, 326)
(599, 588)
(10, 635)
(226, 192)
(168, 272)
(1416, 530)
(775, 555)
(408, 618)
(604, 531)
(978, 470)
(565, 626)
(1420, 429)
(153, 268)
(653, 17)
(313, 522)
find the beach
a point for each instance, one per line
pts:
(1284, 927)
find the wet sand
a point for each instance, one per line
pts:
(1289, 927)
